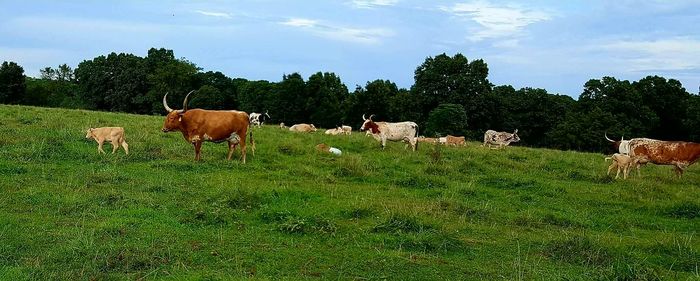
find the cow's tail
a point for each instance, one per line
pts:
(251, 140)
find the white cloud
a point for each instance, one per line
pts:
(496, 21)
(341, 33)
(299, 22)
(214, 14)
(672, 54)
(369, 4)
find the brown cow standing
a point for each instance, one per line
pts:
(115, 135)
(680, 154)
(199, 125)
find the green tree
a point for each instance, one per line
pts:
(447, 119)
(12, 83)
(445, 79)
(669, 101)
(326, 93)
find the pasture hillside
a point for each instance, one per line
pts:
(441, 213)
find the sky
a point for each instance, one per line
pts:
(555, 45)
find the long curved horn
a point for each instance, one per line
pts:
(165, 103)
(370, 117)
(363, 117)
(607, 138)
(623, 138)
(184, 103)
(516, 131)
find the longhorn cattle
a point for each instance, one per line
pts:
(115, 135)
(622, 146)
(502, 139)
(679, 154)
(199, 125)
(383, 131)
(305, 128)
(258, 119)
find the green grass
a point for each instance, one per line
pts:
(292, 212)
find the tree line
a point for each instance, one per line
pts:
(450, 95)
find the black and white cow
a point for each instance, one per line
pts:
(258, 119)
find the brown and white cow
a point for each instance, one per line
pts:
(502, 139)
(679, 154)
(383, 131)
(199, 125)
(115, 135)
(302, 127)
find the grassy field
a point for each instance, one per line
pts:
(291, 212)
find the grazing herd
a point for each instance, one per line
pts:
(232, 126)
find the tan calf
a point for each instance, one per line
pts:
(115, 135)
(623, 163)
(306, 128)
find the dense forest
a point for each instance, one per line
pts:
(450, 95)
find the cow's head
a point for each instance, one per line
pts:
(369, 125)
(515, 137)
(616, 144)
(174, 118)
(313, 128)
(90, 133)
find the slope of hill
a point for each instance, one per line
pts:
(67, 212)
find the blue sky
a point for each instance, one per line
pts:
(556, 45)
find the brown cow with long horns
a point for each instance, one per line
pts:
(199, 125)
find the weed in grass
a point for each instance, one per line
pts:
(507, 183)
(626, 270)
(303, 225)
(680, 255)
(426, 241)
(685, 210)
(556, 220)
(578, 250)
(240, 199)
(11, 170)
(400, 224)
(352, 166)
(357, 213)
(420, 182)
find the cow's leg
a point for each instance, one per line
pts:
(612, 166)
(679, 169)
(383, 142)
(231, 147)
(243, 148)
(625, 171)
(115, 146)
(197, 150)
(125, 146)
(617, 175)
(99, 146)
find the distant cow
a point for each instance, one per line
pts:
(306, 128)
(622, 146)
(502, 139)
(452, 140)
(680, 154)
(428, 140)
(346, 129)
(383, 131)
(199, 125)
(258, 119)
(282, 126)
(115, 135)
(334, 131)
